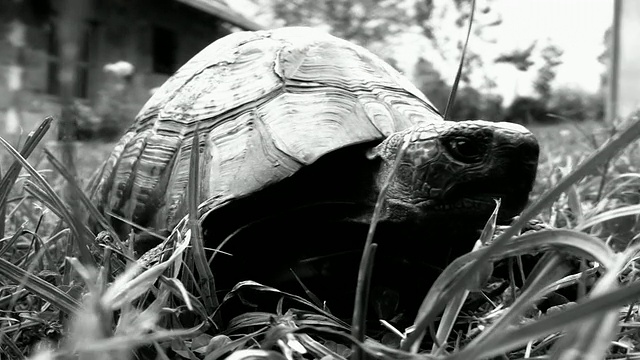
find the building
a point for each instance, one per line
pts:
(155, 36)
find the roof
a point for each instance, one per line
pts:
(220, 9)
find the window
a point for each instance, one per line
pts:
(81, 86)
(165, 49)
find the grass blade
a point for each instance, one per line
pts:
(39, 287)
(452, 280)
(82, 242)
(554, 269)
(453, 308)
(454, 88)
(93, 211)
(556, 322)
(590, 338)
(130, 285)
(37, 193)
(604, 300)
(242, 288)
(7, 181)
(609, 215)
(33, 139)
(360, 310)
(206, 280)
(12, 240)
(359, 307)
(6, 340)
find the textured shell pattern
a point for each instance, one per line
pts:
(266, 104)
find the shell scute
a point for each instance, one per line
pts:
(266, 104)
(241, 157)
(308, 125)
(218, 88)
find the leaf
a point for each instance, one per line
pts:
(251, 286)
(233, 345)
(455, 279)
(573, 315)
(453, 308)
(553, 270)
(129, 287)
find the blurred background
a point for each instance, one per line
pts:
(92, 64)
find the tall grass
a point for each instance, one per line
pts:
(107, 310)
(67, 293)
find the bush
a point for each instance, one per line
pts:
(576, 104)
(526, 110)
(107, 118)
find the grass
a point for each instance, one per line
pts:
(55, 304)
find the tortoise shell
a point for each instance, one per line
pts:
(265, 104)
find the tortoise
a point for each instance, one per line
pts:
(298, 132)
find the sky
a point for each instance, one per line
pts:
(576, 26)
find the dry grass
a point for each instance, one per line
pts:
(53, 303)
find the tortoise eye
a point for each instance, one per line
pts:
(466, 150)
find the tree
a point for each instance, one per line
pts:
(520, 59)
(576, 104)
(361, 21)
(428, 19)
(377, 24)
(604, 58)
(525, 110)
(430, 82)
(470, 104)
(551, 56)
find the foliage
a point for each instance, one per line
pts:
(520, 59)
(429, 13)
(362, 21)
(605, 58)
(374, 24)
(431, 83)
(91, 126)
(114, 318)
(107, 119)
(107, 311)
(576, 104)
(526, 110)
(551, 57)
(470, 103)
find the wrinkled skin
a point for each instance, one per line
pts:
(456, 169)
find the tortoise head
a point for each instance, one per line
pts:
(453, 171)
